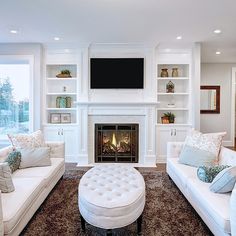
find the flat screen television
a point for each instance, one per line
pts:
(116, 73)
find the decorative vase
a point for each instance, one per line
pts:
(58, 102)
(68, 102)
(171, 120)
(62, 102)
(170, 87)
(175, 72)
(164, 72)
(165, 120)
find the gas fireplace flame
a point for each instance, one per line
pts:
(114, 140)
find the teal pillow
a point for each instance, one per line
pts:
(224, 182)
(207, 174)
(195, 157)
(13, 160)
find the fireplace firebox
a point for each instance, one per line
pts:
(116, 143)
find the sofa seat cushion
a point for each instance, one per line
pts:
(16, 203)
(183, 172)
(216, 206)
(43, 171)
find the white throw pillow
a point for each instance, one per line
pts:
(210, 142)
(33, 140)
(32, 157)
(224, 182)
(6, 184)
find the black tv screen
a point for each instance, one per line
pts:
(116, 73)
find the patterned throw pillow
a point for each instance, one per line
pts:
(33, 140)
(206, 146)
(207, 174)
(13, 160)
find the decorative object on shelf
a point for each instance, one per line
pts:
(171, 116)
(164, 72)
(61, 102)
(55, 118)
(175, 72)
(64, 74)
(68, 102)
(64, 88)
(65, 118)
(170, 87)
(165, 120)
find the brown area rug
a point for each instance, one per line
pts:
(166, 213)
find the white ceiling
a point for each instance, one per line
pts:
(124, 21)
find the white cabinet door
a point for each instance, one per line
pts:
(69, 135)
(168, 134)
(52, 134)
(164, 135)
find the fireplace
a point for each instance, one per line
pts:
(116, 143)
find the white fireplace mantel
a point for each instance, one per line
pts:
(142, 113)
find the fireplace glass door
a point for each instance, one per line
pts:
(116, 143)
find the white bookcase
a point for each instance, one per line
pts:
(178, 103)
(65, 129)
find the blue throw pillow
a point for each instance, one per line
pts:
(224, 182)
(14, 159)
(195, 157)
(207, 174)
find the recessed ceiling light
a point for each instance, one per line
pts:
(179, 37)
(218, 52)
(14, 31)
(217, 31)
(56, 38)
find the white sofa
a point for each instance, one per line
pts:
(32, 186)
(218, 211)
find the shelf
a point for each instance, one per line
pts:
(62, 79)
(171, 94)
(172, 109)
(172, 78)
(52, 94)
(60, 124)
(61, 109)
(172, 124)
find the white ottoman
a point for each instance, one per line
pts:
(111, 196)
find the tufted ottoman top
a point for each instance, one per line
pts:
(111, 190)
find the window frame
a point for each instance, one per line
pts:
(13, 59)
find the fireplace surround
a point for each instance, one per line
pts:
(116, 143)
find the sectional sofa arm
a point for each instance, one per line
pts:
(174, 149)
(233, 212)
(1, 217)
(57, 149)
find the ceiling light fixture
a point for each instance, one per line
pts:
(56, 38)
(67, 50)
(14, 31)
(179, 37)
(217, 31)
(218, 53)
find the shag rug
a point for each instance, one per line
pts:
(166, 212)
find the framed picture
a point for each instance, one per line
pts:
(65, 118)
(55, 118)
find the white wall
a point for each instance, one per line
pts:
(218, 74)
(35, 50)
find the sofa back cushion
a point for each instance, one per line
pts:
(227, 157)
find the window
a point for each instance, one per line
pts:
(15, 97)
